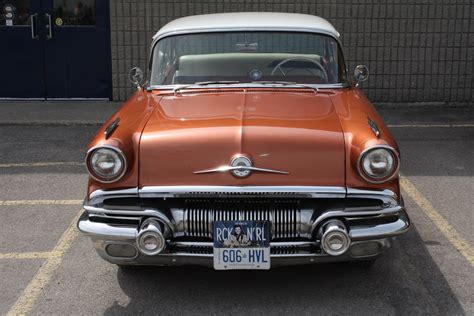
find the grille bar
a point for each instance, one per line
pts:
(199, 214)
(276, 248)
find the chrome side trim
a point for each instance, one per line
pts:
(99, 196)
(304, 191)
(373, 126)
(103, 231)
(130, 214)
(387, 196)
(340, 213)
(111, 128)
(383, 230)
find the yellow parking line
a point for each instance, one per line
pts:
(430, 125)
(443, 225)
(30, 294)
(40, 202)
(41, 164)
(26, 255)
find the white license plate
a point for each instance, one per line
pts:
(241, 245)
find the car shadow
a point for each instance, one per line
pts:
(405, 280)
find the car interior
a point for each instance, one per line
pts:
(248, 67)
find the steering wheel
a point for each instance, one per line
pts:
(281, 63)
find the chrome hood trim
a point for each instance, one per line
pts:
(230, 168)
(241, 167)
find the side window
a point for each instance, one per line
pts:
(15, 12)
(74, 13)
(164, 62)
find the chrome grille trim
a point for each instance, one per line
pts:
(226, 191)
(199, 214)
(98, 196)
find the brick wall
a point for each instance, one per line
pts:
(416, 50)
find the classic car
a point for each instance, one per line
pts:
(247, 146)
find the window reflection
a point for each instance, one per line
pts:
(73, 12)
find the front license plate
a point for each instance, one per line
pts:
(241, 245)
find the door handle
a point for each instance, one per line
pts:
(32, 26)
(49, 34)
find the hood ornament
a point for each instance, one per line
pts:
(240, 167)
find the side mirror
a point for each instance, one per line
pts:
(136, 76)
(361, 73)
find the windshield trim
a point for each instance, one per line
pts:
(253, 29)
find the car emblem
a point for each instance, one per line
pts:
(241, 162)
(240, 167)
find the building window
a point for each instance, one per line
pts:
(74, 13)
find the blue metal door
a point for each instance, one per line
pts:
(21, 50)
(70, 54)
(78, 62)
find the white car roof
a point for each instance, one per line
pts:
(246, 21)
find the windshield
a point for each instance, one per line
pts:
(247, 57)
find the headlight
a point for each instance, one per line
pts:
(378, 164)
(106, 164)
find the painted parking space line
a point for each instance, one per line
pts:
(40, 202)
(30, 294)
(26, 255)
(429, 125)
(41, 164)
(461, 245)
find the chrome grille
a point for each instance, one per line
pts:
(285, 215)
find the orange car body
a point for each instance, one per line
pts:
(316, 137)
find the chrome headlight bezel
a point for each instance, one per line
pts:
(386, 177)
(95, 175)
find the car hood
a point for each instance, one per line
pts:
(294, 132)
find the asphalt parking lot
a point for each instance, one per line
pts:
(47, 267)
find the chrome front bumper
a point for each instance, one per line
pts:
(119, 227)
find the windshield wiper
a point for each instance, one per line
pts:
(286, 83)
(204, 83)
